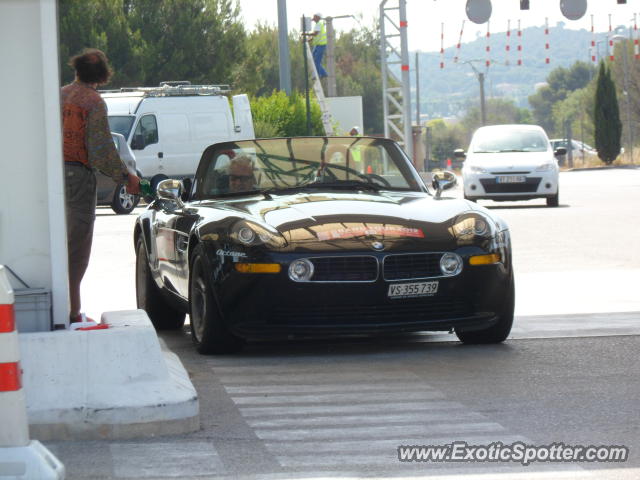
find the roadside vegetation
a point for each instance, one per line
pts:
(205, 41)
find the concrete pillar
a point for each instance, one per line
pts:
(32, 211)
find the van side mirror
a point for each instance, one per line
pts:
(459, 153)
(560, 151)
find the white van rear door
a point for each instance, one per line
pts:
(243, 118)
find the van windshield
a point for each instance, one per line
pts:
(499, 140)
(121, 124)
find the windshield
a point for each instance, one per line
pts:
(121, 124)
(506, 140)
(282, 165)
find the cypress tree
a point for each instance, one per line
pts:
(607, 117)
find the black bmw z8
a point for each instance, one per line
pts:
(319, 236)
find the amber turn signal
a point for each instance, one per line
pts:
(484, 259)
(258, 267)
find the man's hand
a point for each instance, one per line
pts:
(133, 184)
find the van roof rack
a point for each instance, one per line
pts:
(174, 89)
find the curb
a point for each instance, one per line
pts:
(116, 383)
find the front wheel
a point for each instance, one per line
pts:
(498, 332)
(148, 295)
(208, 331)
(123, 202)
(555, 200)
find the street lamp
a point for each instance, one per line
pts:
(625, 92)
(480, 76)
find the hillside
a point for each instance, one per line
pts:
(448, 92)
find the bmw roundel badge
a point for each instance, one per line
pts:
(377, 245)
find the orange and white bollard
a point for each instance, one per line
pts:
(20, 457)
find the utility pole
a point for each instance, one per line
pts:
(625, 68)
(306, 74)
(483, 107)
(283, 48)
(417, 89)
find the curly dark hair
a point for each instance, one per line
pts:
(91, 66)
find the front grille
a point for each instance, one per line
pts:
(530, 186)
(415, 265)
(344, 269)
(428, 309)
(510, 172)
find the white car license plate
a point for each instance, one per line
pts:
(398, 290)
(511, 179)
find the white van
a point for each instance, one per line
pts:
(168, 127)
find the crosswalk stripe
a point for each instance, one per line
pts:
(377, 431)
(336, 398)
(236, 379)
(327, 420)
(372, 408)
(369, 445)
(335, 387)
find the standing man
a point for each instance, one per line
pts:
(319, 43)
(87, 146)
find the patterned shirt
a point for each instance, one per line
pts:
(85, 131)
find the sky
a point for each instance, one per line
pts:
(425, 17)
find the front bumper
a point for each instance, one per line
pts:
(272, 305)
(486, 186)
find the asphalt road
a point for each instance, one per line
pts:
(339, 409)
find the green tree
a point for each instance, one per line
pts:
(608, 128)
(198, 40)
(560, 83)
(104, 25)
(445, 139)
(285, 116)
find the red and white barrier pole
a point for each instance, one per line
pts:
(546, 42)
(636, 47)
(611, 55)
(457, 57)
(20, 458)
(593, 43)
(488, 47)
(442, 45)
(519, 45)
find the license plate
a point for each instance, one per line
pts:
(401, 290)
(511, 179)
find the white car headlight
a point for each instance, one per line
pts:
(477, 169)
(545, 167)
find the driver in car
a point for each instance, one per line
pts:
(241, 177)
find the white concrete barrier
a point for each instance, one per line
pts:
(20, 457)
(114, 383)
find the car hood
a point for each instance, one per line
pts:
(515, 161)
(342, 220)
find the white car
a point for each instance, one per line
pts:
(511, 162)
(116, 195)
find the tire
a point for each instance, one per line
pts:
(123, 203)
(554, 201)
(498, 332)
(149, 298)
(208, 331)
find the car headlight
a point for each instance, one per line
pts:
(545, 167)
(450, 264)
(301, 270)
(472, 225)
(251, 234)
(477, 169)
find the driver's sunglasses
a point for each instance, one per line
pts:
(240, 178)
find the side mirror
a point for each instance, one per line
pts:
(459, 153)
(443, 181)
(560, 151)
(171, 190)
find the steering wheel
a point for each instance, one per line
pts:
(373, 178)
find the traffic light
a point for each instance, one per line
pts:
(524, 4)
